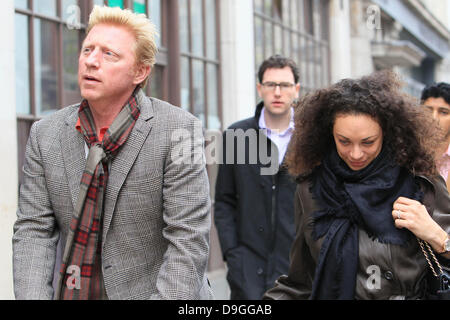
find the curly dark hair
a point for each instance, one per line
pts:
(436, 90)
(407, 130)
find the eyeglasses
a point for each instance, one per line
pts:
(284, 86)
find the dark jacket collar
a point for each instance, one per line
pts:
(258, 111)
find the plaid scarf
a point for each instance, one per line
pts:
(83, 246)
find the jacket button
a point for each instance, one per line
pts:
(261, 229)
(388, 275)
(259, 271)
(274, 187)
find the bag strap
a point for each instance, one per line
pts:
(428, 252)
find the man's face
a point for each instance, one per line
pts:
(107, 68)
(440, 110)
(278, 99)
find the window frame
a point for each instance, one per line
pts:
(59, 20)
(312, 75)
(205, 60)
(25, 121)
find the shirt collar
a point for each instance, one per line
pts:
(448, 151)
(262, 122)
(85, 104)
(102, 130)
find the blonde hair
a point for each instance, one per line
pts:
(144, 31)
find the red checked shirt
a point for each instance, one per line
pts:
(102, 130)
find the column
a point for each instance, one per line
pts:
(365, 20)
(8, 145)
(238, 60)
(340, 45)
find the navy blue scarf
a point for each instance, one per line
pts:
(350, 200)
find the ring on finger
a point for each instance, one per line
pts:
(398, 214)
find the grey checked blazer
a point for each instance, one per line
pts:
(157, 220)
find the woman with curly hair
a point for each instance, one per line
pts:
(367, 191)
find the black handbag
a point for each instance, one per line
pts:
(438, 285)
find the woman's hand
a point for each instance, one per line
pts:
(413, 215)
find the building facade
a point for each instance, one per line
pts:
(410, 37)
(209, 52)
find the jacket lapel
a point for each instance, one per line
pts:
(72, 144)
(123, 162)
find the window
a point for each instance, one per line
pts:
(153, 9)
(48, 35)
(22, 65)
(46, 44)
(297, 29)
(199, 72)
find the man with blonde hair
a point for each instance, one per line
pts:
(104, 178)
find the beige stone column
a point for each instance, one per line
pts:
(340, 45)
(238, 60)
(365, 19)
(8, 147)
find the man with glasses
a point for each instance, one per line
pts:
(254, 211)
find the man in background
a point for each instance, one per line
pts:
(253, 211)
(436, 99)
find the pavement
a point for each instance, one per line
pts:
(219, 284)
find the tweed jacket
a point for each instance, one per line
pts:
(156, 220)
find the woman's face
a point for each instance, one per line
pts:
(358, 138)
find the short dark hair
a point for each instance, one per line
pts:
(278, 62)
(437, 90)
